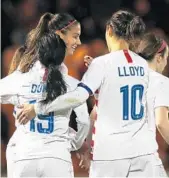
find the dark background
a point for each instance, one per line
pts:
(20, 16)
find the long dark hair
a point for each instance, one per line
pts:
(126, 25)
(51, 52)
(47, 23)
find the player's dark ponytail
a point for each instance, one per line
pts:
(126, 25)
(48, 23)
(135, 28)
(33, 36)
(55, 83)
(51, 52)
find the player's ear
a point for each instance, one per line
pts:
(158, 58)
(109, 30)
(60, 34)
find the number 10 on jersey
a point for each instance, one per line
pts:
(130, 100)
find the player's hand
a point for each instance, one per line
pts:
(26, 114)
(84, 160)
(83, 154)
(88, 60)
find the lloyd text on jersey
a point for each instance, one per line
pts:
(130, 71)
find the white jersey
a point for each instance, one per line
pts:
(45, 135)
(121, 129)
(158, 95)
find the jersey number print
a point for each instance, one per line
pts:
(132, 97)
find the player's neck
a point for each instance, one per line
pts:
(152, 66)
(118, 45)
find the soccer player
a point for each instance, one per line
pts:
(72, 40)
(122, 135)
(155, 51)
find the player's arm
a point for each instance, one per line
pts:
(162, 111)
(92, 121)
(84, 153)
(83, 124)
(9, 88)
(69, 100)
(162, 122)
(91, 81)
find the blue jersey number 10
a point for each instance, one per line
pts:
(130, 101)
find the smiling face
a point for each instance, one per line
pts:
(72, 38)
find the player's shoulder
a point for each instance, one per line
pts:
(157, 75)
(159, 78)
(165, 80)
(112, 54)
(138, 59)
(71, 81)
(100, 59)
(37, 67)
(107, 57)
(35, 74)
(120, 54)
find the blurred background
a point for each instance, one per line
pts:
(20, 16)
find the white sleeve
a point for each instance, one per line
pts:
(83, 125)
(67, 101)
(93, 78)
(90, 83)
(162, 95)
(9, 88)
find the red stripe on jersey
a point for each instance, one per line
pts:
(96, 117)
(96, 102)
(92, 143)
(127, 55)
(91, 156)
(97, 91)
(45, 75)
(94, 130)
